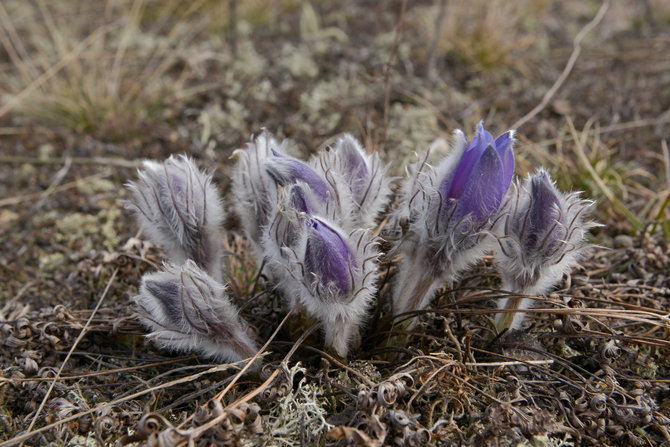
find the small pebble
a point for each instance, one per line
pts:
(623, 241)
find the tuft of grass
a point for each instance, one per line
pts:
(487, 34)
(580, 160)
(96, 68)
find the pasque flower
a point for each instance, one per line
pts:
(179, 208)
(481, 179)
(187, 310)
(446, 214)
(541, 237)
(311, 228)
(332, 274)
(358, 180)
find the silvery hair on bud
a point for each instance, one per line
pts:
(255, 192)
(179, 208)
(358, 179)
(302, 266)
(187, 310)
(540, 239)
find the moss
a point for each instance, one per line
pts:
(298, 61)
(82, 228)
(95, 186)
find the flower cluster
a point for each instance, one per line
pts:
(311, 226)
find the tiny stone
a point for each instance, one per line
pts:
(623, 241)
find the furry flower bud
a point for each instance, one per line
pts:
(187, 310)
(541, 238)
(254, 190)
(179, 208)
(359, 181)
(446, 213)
(330, 273)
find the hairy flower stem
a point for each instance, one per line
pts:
(511, 318)
(415, 293)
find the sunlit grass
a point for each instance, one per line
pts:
(111, 69)
(118, 75)
(488, 34)
(581, 161)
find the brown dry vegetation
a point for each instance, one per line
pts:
(89, 89)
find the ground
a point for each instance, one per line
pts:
(90, 89)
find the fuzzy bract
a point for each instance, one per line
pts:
(188, 310)
(541, 238)
(179, 208)
(254, 190)
(359, 182)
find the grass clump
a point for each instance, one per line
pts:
(96, 68)
(487, 35)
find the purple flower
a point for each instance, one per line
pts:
(482, 177)
(187, 310)
(541, 237)
(328, 257)
(286, 170)
(446, 213)
(178, 207)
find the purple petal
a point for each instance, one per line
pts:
(355, 167)
(485, 188)
(287, 170)
(327, 255)
(503, 141)
(544, 212)
(483, 137)
(504, 146)
(470, 158)
(168, 296)
(299, 201)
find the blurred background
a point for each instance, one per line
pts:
(146, 78)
